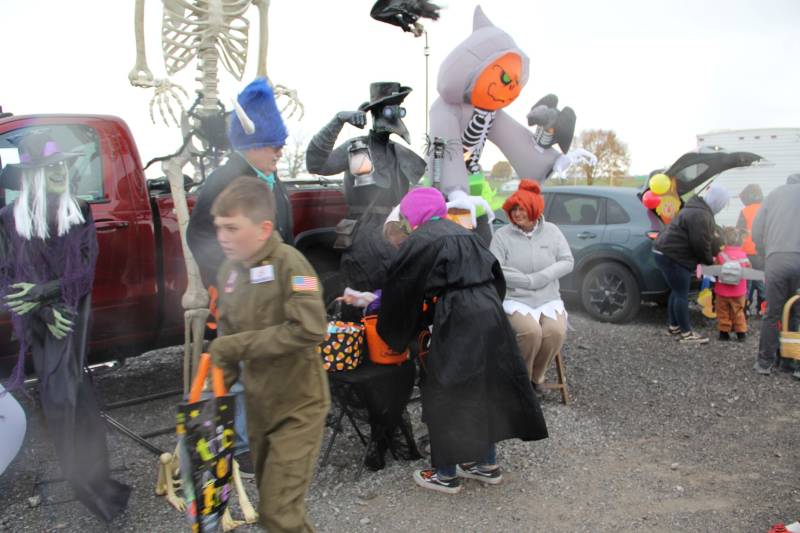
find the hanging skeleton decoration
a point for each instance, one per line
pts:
(210, 32)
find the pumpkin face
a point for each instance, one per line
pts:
(498, 85)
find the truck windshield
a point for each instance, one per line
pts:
(86, 172)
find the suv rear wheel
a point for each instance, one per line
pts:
(610, 293)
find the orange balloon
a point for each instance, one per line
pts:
(498, 85)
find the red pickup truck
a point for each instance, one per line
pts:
(140, 274)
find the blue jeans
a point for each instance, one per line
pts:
(449, 471)
(678, 279)
(240, 421)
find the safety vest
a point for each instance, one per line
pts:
(749, 213)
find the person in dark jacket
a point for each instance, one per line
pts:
(690, 239)
(255, 154)
(777, 238)
(476, 390)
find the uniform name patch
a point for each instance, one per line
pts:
(305, 284)
(262, 274)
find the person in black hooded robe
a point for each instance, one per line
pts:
(475, 391)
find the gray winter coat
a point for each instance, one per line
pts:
(775, 228)
(533, 263)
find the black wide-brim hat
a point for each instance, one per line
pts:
(39, 150)
(383, 93)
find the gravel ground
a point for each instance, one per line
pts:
(658, 437)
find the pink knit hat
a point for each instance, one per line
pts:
(421, 205)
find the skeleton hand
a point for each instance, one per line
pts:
(59, 321)
(577, 156)
(356, 118)
(167, 94)
(294, 105)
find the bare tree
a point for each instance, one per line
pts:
(613, 157)
(293, 160)
(501, 170)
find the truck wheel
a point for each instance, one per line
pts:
(610, 293)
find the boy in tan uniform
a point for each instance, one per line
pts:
(272, 318)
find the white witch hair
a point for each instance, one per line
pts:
(30, 209)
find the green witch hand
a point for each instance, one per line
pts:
(31, 296)
(17, 302)
(59, 321)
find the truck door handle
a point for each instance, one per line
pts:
(586, 235)
(107, 224)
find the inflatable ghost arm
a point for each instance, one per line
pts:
(452, 172)
(321, 157)
(518, 144)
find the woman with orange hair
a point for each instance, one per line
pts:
(534, 255)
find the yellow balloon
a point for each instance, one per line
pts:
(660, 184)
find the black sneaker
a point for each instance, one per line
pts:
(724, 336)
(430, 480)
(690, 337)
(474, 471)
(246, 469)
(673, 331)
(741, 337)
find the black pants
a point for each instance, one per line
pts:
(73, 416)
(783, 279)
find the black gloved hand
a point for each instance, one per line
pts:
(356, 118)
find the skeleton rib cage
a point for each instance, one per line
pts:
(188, 28)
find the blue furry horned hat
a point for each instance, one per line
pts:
(256, 121)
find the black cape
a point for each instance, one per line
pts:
(476, 390)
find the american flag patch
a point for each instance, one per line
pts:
(305, 284)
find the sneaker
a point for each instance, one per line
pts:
(741, 337)
(673, 331)
(474, 471)
(691, 337)
(724, 336)
(763, 370)
(430, 480)
(245, 461)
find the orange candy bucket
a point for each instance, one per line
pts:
(379, 351)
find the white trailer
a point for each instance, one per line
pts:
(780, 147)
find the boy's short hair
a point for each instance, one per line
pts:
(248, 196)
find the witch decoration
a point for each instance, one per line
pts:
(477, 80)
(377, 174)
(48, 250)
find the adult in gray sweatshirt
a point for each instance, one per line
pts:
(534, 254)
(776, 235)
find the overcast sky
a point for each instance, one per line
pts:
(658, 72)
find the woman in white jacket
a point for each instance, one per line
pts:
(534, 255)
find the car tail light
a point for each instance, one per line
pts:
(652, 234)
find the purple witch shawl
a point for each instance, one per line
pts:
(69, 258)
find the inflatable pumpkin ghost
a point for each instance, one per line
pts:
(480, 77)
